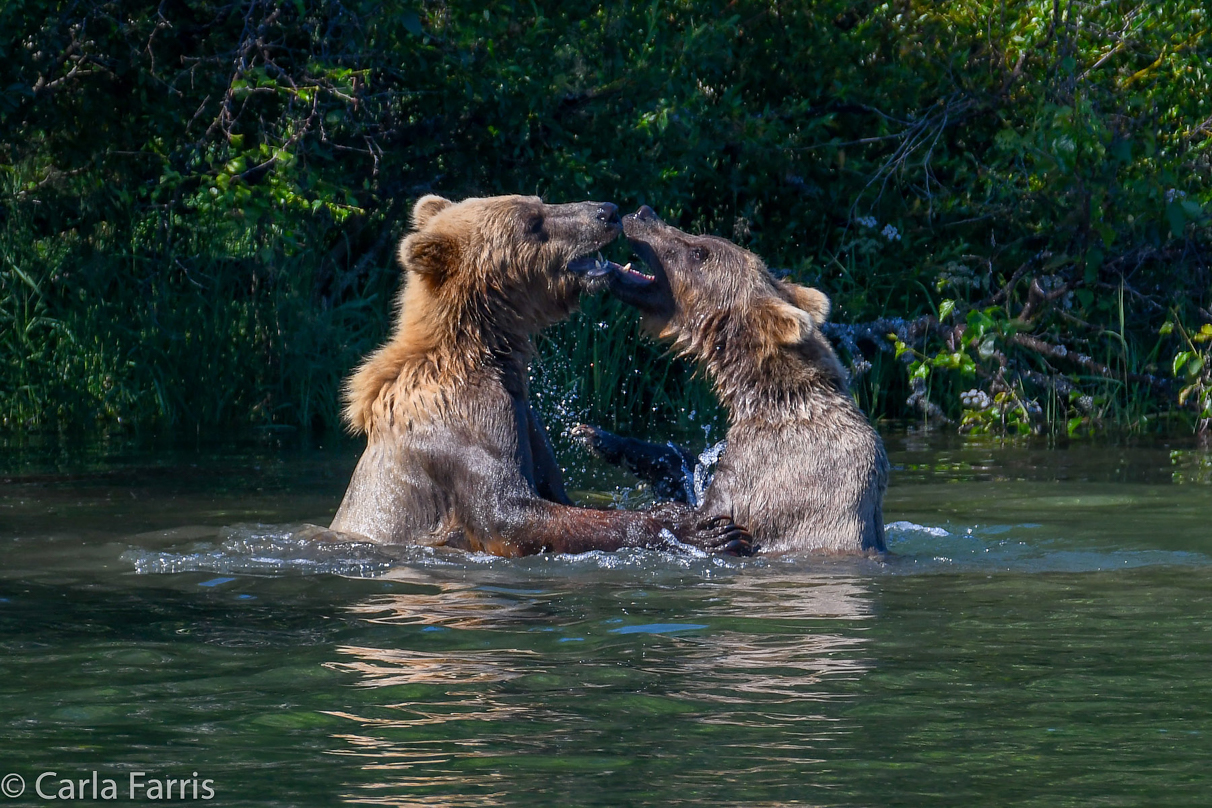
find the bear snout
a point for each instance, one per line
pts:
(608, 213)
(644, 220)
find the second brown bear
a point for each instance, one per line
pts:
(803, 470)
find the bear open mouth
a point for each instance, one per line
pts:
(633, 276)
(597, 267)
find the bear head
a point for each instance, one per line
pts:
(481, 276)
(511, 263)
(720, 304)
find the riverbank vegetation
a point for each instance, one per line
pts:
(1007, 201)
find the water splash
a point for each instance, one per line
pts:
(1013, 548)
(704, 471)
(910, 527)
(282, 550)
(302, 549)
(267, 550)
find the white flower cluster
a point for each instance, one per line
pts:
(1173, 194)
(975, 399)
(870, 222)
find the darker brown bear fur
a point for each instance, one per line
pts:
(455, 454)
(803, 469)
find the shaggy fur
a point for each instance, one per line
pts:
(455, 455)
(803, 470)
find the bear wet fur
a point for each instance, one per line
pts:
(455, 454)
(803, 470)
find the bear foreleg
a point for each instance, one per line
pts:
(665, 467)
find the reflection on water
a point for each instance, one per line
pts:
(731, 665)
(1041, 635)
(791, 664)
(380, 667)
(547, 674)
(456, 605)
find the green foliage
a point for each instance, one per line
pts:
(200, 199)
(1193, 368)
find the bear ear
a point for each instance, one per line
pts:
(807, 299)
(781, 323)
(426, 208)
(429, 254)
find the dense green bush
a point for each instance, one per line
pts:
(200, 197)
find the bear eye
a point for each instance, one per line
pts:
(700, 254)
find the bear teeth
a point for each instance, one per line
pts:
(635, 274)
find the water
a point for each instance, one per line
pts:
(1042, 637)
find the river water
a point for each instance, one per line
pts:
(1042, 636)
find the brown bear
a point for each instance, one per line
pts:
(455, 454)
(803, 469)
